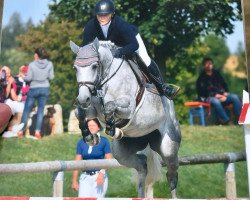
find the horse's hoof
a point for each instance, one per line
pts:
(92, 140)
(118, 134)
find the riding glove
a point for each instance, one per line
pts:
(116, 53)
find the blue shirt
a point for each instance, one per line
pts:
(98, 151)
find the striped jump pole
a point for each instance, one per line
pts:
(75, 198)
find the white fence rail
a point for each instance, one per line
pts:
(58, 167)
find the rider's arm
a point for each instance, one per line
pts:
(128, 34)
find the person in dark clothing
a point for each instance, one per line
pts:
(106, 25)
(212, 88)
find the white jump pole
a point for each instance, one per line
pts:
(245, 120)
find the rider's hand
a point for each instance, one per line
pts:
(116, 53)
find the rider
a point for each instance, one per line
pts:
(108, 26)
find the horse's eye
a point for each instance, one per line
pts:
(95, 66)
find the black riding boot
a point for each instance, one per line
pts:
(168, 90)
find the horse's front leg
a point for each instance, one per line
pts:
(90, 139)
(109, 111)
(119, 108)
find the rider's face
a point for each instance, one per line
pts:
(104, 19)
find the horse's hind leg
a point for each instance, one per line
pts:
(172, 175)
(168, 151)
(124, 151)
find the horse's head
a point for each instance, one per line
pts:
(90, 65)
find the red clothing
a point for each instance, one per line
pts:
(25, 90)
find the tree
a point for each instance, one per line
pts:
(11, 30)
(14, 59)
(10, 54)
(55, 37)
(171, 30)
(167, 26)
(218, 50)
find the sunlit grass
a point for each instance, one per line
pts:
(199, 181)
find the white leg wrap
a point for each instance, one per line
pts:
(118, 134)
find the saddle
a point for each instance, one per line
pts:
(141, 73)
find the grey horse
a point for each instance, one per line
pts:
(108, 89)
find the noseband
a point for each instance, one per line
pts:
(99, 81)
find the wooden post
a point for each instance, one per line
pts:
(1, 19)
(230, 181)
(58, 184)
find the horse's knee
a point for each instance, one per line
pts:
(109, 108)
(123, 102)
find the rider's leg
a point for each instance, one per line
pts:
(165, 89)
(155, 75)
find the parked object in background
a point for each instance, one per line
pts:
(196, 109)
(73, 125)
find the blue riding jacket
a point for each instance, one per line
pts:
(120, 33)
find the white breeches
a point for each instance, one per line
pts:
(142, 51)
(15, 106)
(88, 186)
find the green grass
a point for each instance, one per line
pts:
(197, 181)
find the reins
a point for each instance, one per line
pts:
(113, 73)
(98, 84)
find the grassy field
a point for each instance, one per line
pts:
(199, 181)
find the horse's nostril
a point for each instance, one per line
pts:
(88, 100)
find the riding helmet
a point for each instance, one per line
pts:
(104, 7)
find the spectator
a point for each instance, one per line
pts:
(212, 88)
(22, 86)
(92, 183)
(40, 71)
(9, 97)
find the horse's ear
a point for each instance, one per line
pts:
(74, 47)
(96, 44)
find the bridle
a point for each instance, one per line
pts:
(99, 81)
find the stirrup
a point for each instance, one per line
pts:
(173, 93)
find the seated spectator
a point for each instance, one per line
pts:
(22, 86)
(10, 98)
(212, 88)
(92, 183)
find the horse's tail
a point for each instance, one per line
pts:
(154, 170)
